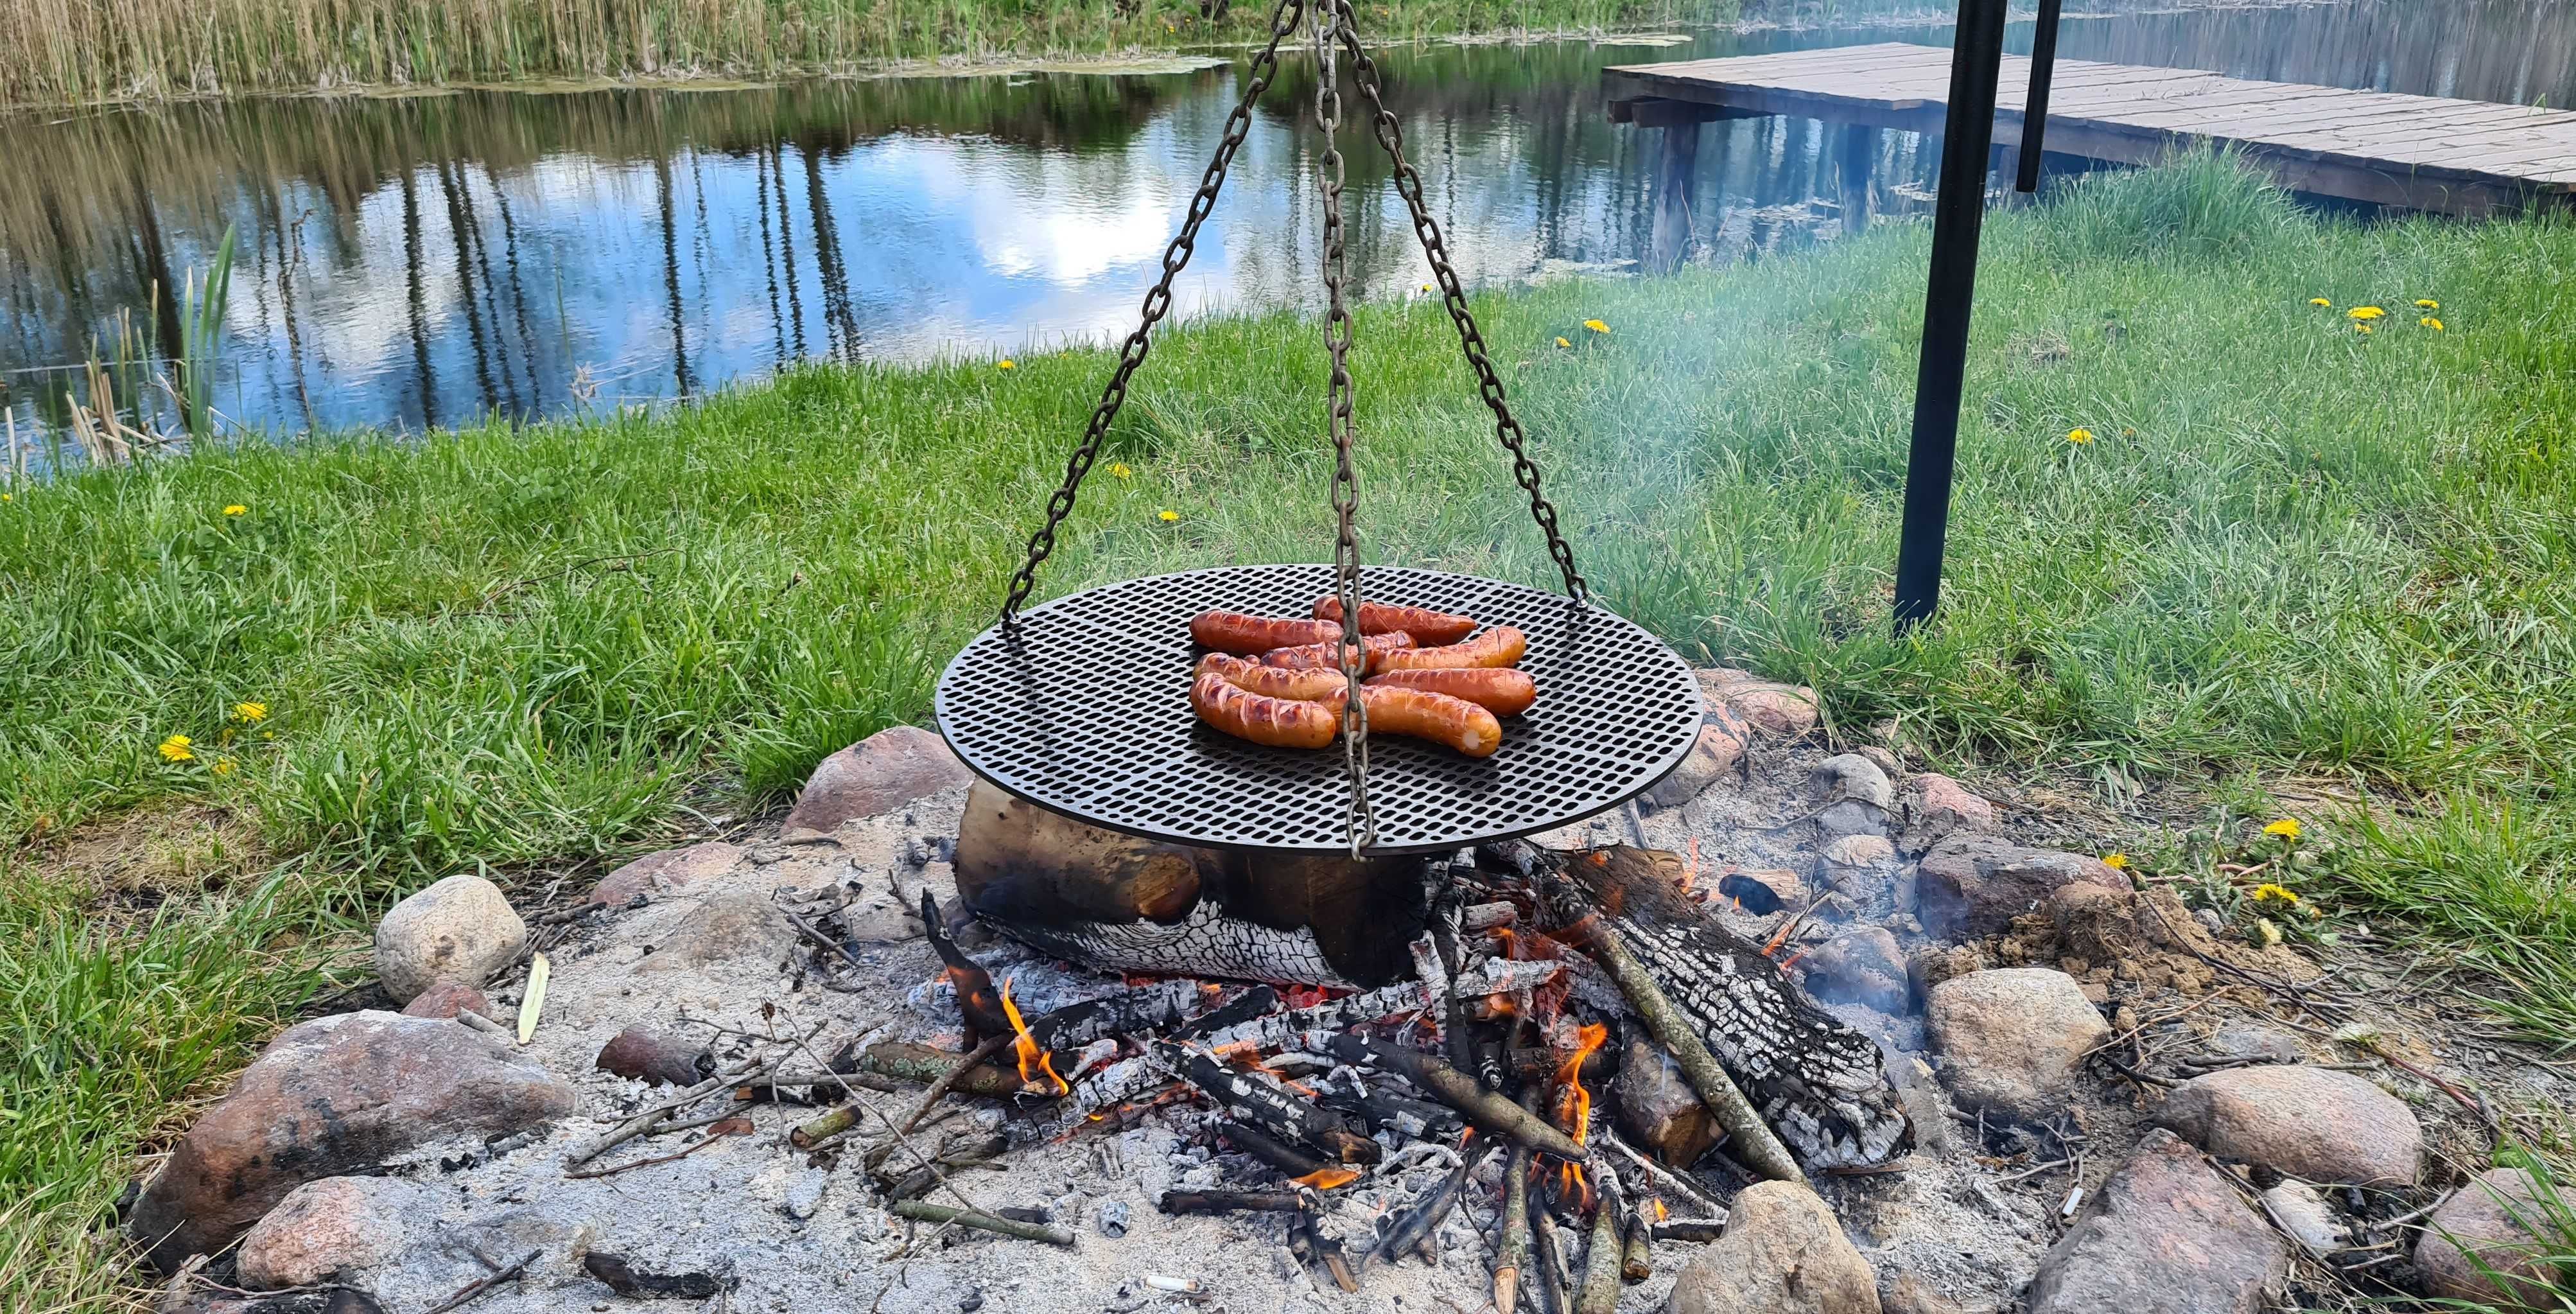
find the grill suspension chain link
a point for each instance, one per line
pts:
(1408, 183)
(1285, 18)
(1362, 823)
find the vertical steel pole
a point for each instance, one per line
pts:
(1958, 213)
(2034, 114)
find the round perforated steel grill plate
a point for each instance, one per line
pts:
(1086, 711)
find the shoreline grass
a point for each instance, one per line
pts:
(2289, 548)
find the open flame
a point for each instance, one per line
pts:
(1025, 1048)
(1577, 1108)
(1656, 1207)
(1326, 1179)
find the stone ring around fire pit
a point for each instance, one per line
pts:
(1084, 709)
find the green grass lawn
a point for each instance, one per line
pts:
(2290, 549)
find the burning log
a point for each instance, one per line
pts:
(1488, 1110)
(1821, 1083)
(975, 996)
(1379, 1110)
(1292, 1163)
(910, 1062)
(1256, 1099)
(1657, 1106)
(1512, 1254)
(1161, 1008)
(1220, 1202)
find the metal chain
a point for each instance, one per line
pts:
(1408, 182)
(1362, 822)
(1284, 21)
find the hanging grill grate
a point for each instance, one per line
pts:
(1085, 710)
(1082, 705)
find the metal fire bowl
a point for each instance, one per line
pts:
(1085, 710)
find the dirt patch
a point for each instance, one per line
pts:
(134, 862)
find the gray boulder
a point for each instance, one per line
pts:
(1972, 884)
(2012, 1039)
(2314, 1124)
(461, 929)
(1782, 1253)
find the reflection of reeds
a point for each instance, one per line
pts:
(93, 50)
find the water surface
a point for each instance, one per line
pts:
(421, 261)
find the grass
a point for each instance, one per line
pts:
(78, 51)
(2291, 548)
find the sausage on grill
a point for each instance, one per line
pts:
(1233, 631)
(1424, 624)
(1304, 683)
(1503, 692)
(1327, 654)
(1499, 646)
(1277, 722)
(1454, 722)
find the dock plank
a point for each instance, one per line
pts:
(2432, 152)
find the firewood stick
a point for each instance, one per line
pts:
(1218, 1202)
(1309, 1232)
(950, 1079)
(1261, 1145)
(1258, 1099)
(1555, 1277)
(477, 1287)
(1513, 1252)
(654, 1116)
(1661, 1173)
(1601, 1262)
(926, 1212)
(1421, 1222)
(1489, 1110)
(1755, 1142)
(1689, 1229)
(1637, 1252)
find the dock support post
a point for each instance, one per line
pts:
(1860, 159)
(2034, 114)
(1672, 192)
(1958, 216)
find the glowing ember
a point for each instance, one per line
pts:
(1025, 1049)
(1326, 1179)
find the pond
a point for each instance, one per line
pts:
(418, 261)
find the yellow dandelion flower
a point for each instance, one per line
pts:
(2079, 437)
(223, 766)
(2365, 312)
(236, 509)
(4, 497)
(249, 712)
(2431, 323)
(1007, 363)
(1596, 326)
(2116, 861)
(2363, 329)
(2268, 895)
(175, 749)
(2319, 301)
(1167, 517)
(1120, 470)
(2287, 828)
(2428, 303)
(1563, 343)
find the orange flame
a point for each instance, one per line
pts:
(1578, 1111)
(1326, 1179)
(1657, 1205)
(1025, 1049)
(1690, 869)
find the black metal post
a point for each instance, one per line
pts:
(1958, 214)
(2034, 114)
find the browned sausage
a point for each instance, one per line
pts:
(1502, 692)
(1277, 722)
(1424, 624)
(1233, 631)
(1328, 655)
(1455, 722)
(1499, 646)
(1305, 684)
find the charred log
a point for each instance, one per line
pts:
(1224, 1202)
(1821, 1084)
(1255, 1098)
(1489, 1110)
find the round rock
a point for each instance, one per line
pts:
(2011, 1039)
(448, 997)
(1861, 966)
(461, 928)
(1719, 748)
(2314, 1124)
(334, 1225)
(875, 776)
(2165, 1234)
(2490, 1217)
(1782, 1253)
(670, 869)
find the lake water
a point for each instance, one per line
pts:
(427, 260)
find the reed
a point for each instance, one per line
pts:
(82, 51)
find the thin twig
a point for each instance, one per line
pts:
(477, 1287)
(992, 1045)
(675, 1156)
(945, 1215)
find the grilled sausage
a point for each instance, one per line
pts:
(1233, 631)
(1502, 692)
(1277, 722)
(1424, 624)
(1327, 655)
(1302, 683)
(1454, 722)
(1499, 646)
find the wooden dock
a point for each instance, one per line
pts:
(2421, 152)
